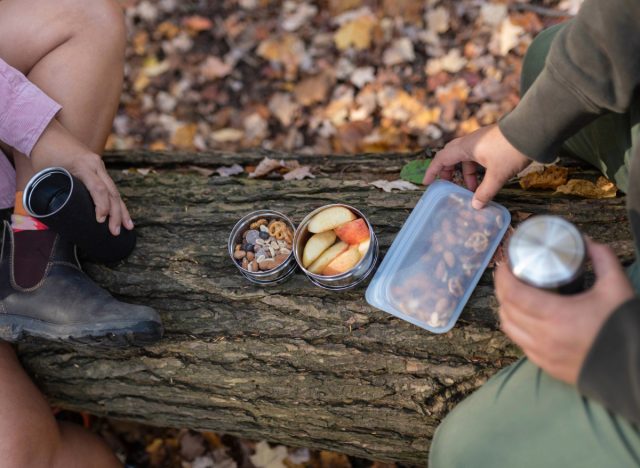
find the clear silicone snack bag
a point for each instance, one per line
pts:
(438, 257)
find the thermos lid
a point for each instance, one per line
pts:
(546, 252)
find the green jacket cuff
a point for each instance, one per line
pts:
(611, 371)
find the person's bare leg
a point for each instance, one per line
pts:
(74, 51)
(30, 435)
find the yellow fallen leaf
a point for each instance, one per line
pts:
(468, 126)
(603, 188)
(141, 82)
(167, 30)
(550, 177)
(184, 135)
(152, 67)
(356, 33)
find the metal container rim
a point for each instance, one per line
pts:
(235, 231)
(306, 220)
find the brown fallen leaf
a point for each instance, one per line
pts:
(266, 167)
(603, 188)
(400, 51)
(299, 173)
(551, 177)
(283, 107)
(287, 49)
(313, 89)
(213, 68)
(519, 216)
(334, 460)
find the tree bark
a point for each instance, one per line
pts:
(292, 363)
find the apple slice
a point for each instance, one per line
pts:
(317, 244)
(353, 232)
(327, 256)
(343, 262)
(330, 219)
(363, 247)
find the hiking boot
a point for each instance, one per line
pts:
(49, 296)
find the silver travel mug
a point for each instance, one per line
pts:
(549, 252)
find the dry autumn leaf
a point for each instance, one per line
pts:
(299, 173)
(356, 33)
(287, 49)
(313, 89)
(603, 188)
(213, 68)
(550, 177)
(265, 167)
(388, 186)
(184, 135)
(196, 23)
(267, 457)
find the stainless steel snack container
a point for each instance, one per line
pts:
(279, 274)
(348, 279)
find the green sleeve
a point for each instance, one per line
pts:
(593, 67)
(611, 371)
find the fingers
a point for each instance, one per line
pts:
(603, 258)
(115, 203)
(469, 174)
(106, 198)
(525, 299)
(490, 186)
(444, 163)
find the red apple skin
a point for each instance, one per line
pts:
(353, 232)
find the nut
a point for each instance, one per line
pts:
(449, 258)
(455, 287)
(239, 254)
(478, 241)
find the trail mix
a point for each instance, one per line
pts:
(265, 245)
(446, 260)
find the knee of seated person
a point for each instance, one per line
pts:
(34, 449)
(455, 441)
(103, 18)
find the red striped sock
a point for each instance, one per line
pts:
(20, 219)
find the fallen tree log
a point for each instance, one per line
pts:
(293, 363)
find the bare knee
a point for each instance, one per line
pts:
(31, 447)
(103, 20)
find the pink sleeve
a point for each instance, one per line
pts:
(25, 111)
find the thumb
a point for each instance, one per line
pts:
(604, 260)
(488, 189)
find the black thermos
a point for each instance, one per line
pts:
(63, 203)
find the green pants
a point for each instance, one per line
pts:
(522, 417)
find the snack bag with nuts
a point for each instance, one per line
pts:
(437, 259)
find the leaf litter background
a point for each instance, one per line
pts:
(316, 77)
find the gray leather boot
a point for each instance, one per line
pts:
(62, 302)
